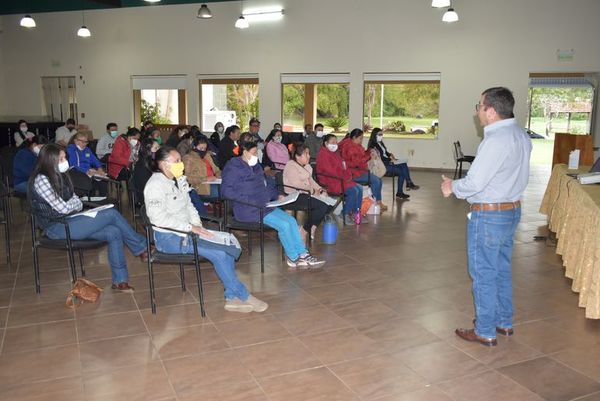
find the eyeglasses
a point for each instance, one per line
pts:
(82, 141)
(479, 106)
(255, 125)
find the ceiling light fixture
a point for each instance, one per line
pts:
(241, 22)
(440, 3)
(27, 22)
(204, 12)
(152, 1)
(264, 15)
(83, 32)
(450, 15)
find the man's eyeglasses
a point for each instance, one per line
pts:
(82, 141)
(479, 106)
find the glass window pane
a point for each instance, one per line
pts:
(293, 107)
(161, 106)
(228, 103)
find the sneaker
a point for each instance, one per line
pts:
(349, 220)
(402, 196)
(290, 262)
(412, 186)
(310, 261)
(364, 220)
(257, 304)
(123, 287)
(237, 305)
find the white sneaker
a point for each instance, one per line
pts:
(237, 305)
(310, 261)
(291, 263)
(257, 304)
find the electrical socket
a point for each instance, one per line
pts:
(411, 152)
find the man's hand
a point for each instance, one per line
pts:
(446, 186)
(91, 172)
(202, 232)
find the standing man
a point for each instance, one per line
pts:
(494, 185)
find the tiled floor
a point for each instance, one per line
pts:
(376, 324)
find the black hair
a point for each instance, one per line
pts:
(355, 133)
(274, 125)
(70, 121)
(318, 125)
(148, 122)
(38, 140)
(248, 145)
(373, 138)
(299, 150)
(47, 164)
(110, 125)
(253, 120)
(21, 122)
(217, 124)
(230, 129)
(161, 155)
(272, 134)
(500, 99)
(326, 138)
(198, 140)
(132, 131)
(145, 152)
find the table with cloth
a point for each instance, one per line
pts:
(573, 212)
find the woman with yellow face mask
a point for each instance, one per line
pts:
(168, 205)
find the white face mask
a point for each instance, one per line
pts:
(252, 161)
(332, 147)
(319, 134)
(80, 147)
(277, 139)
(63, 166)
(36, 150)
(133, 141)
(220, 130)
(379, 138)
(23, 129)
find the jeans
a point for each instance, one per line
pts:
(198, 203)
(398, 171)
(353, 199)
(223, 263)
(375, 184)
(21, 187)
(109, 226)
(289, 235)
(489, 248)
(318, 210)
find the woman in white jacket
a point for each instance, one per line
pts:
(168, 205)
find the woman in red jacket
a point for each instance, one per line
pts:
(356, 158)
(333, 175)
(124, 154)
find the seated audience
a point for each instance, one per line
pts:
(276, 151)
(52, 196)
(299, 174)
(124, 154)
(314, 140)
(391, 166)
(356, 158)
(107, 141)
(244, 180)
(185, 144)
(82, 159)
(22, 134)
(168, 206)
(176, 135)
(333, 173)
(228, 148)
(200, 168)
(153, 133)
(25, 161)
(143, 168)
(63, 134)
(146, 126)
(218, 135)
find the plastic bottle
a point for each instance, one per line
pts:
(357, 217)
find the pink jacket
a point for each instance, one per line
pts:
(299, 177)
(278, 153)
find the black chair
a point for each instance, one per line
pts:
(154, 256)
(7, 157)
(341, 196)
(4, 199)
(39, 240)
(84, 188)
(135, 200)
(460, 158)
(231, 224)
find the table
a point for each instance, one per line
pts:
(573, 212)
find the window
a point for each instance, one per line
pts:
(160, 99)
(315, 98)
(60, 102)
(231, 100)
(404, 105)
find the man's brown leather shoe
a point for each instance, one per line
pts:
(503, 331)
(469, 335)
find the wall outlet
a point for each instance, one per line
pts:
(411, 152)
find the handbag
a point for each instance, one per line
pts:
(83, 291)
(376, 165)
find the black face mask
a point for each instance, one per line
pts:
(202, 153)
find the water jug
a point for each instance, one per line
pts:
(330, 230)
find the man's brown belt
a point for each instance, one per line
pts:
(495, 206)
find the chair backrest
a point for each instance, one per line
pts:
(459, 150)
(7, 158)
(82, 183)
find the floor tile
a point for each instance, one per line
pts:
(106, 355)
(188, 341)
(37, 336)
(487, 386)
(107, 326)
(255, 329)
(311, 320)
(67, 389)
(43, 364)
(341, 345)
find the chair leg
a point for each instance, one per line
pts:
(262, 250)
(250, 243)
(200, 290)
(72, 265)
(81, 266)
(460, 171)
(7, 239)
(151, 280)
(36, 270)
(182, 274)
(455, 171)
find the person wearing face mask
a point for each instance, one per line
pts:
(218, 135)
(334, 175)
(276, 151)
(52, 196)
(83, 160)
(229, 148)
(200, 168)
(124, 154)
(153, 133)
(22, 134)
(176, 135)
(107, 141)
(63, 134)
(25, 161)
(314, 140)
(143, 168)
(244, 181)
(392, 166)
(169, 206)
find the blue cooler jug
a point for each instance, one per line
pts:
(330, 230)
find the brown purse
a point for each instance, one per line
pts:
(83, 291)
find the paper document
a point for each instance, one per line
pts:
(326, 199)
(222, 238)
(216, 181)
(291, 198)
(93, 198)
(400, 161)
(92, 212)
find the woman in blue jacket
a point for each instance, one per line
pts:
(25, 161)
(244, 181)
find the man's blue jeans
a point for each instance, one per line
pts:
(353, 199)
(21, 187)
(489, 248)
(109, 226)
(223, 263)
(289, 234)
(375, 183)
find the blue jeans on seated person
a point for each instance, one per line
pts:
(398, 171)
(21, 187)
(215, 190)
(375, 183)
(223, 263)
(110, 226)
(489, 251)
(288, 231)
(198, 203)
(353, 199)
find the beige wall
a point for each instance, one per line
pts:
(495, 43)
